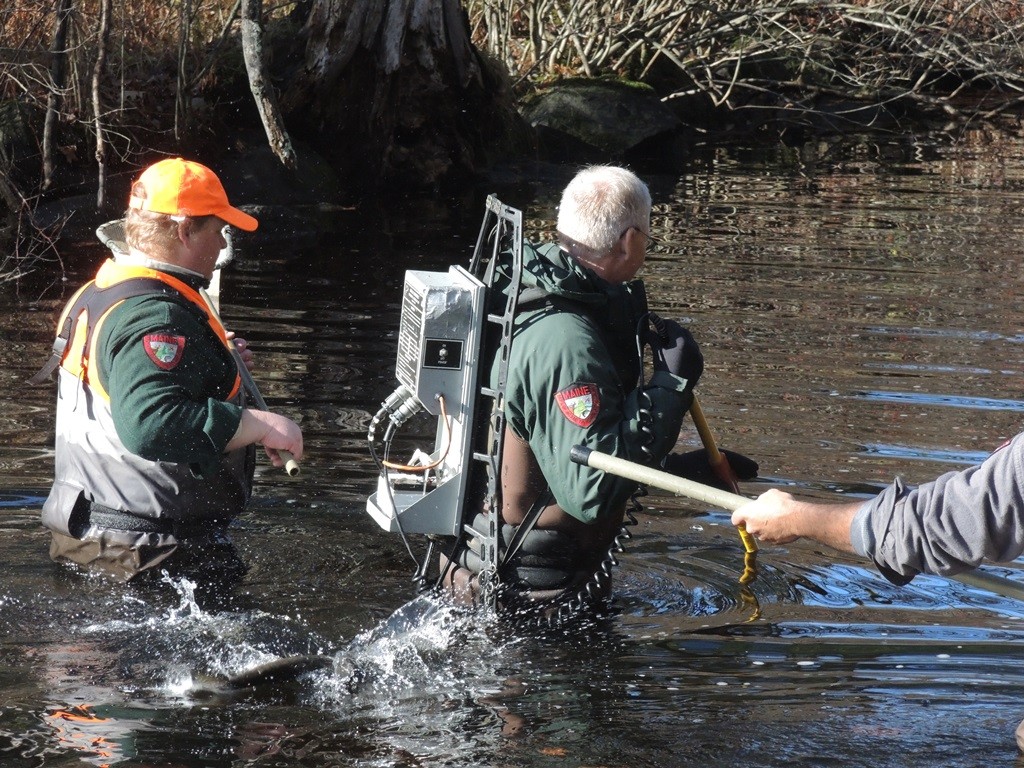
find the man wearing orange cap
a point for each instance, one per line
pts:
(155, 448)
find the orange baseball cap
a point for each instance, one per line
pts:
(178, 187)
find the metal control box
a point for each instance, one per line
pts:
(439, 341)
(439, 322)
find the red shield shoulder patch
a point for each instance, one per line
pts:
(163, 349)
(579, 403)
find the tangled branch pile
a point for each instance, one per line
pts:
(958, 56)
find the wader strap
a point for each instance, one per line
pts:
(57, 353)
(92, 513)
(529, 521)
(97, 301)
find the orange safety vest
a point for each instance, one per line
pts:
(79, 323)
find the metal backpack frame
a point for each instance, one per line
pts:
(452, 323)
(501, 230)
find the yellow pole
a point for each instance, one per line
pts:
(719, 464)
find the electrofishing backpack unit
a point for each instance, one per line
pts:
(452, 325)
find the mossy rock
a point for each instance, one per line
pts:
(610, 116)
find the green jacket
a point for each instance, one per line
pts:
(179, 415)
(575, 377)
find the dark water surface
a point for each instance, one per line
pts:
(859, 304)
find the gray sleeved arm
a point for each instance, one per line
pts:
(949, 525)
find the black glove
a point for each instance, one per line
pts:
(676, 351)
(694, 465)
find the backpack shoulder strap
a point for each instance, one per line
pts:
(97, 301)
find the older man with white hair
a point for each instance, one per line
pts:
(576, 377)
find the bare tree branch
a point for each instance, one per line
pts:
(58, 72)
(260, 85)
(97, 106)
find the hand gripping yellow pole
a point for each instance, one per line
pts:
(731, 502)
(291, 466)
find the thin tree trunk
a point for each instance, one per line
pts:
(211, 53)
(58, 72)
(260, 85)
(182, 86)
(97, 105)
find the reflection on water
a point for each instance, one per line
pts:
(859, 306)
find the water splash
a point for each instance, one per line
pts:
(411, 651)
(185, 640)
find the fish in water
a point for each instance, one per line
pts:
(278, 671)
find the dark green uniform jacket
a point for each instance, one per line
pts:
(574, 377)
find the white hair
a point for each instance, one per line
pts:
(600, 203)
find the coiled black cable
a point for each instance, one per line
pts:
(593, 591)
